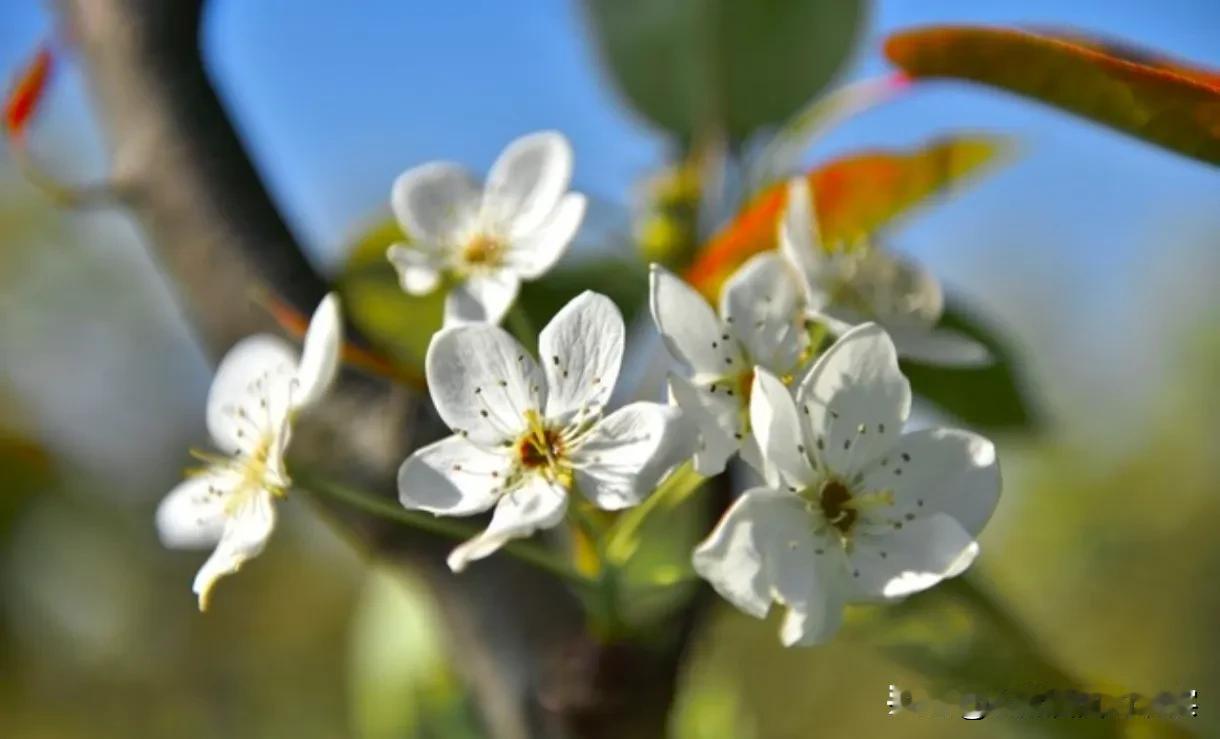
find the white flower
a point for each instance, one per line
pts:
(762, 323)
(259, 387)
(482, 241)
(867, 512)
(526, 437)
(847, 288)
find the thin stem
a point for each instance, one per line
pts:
(620, 541)
(60, 193)
(526, 551)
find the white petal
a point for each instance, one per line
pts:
(620, 460)
(777, 426)
(800, 242)
(533, 254)
(419, 270)
(691, 331)
(526, 182)
(940, 471)
(814, 621)
(900, 291)
(919, 555)
(320, 354)
(838, 321)
(943, 346)
(751, 454)
(245, 534)
(537, 504)
(764, 549)
(581, 350)
(855, 400)
(436, 203)
(764, 306)
(251, 391)
(452, 477)
(193, 516)
(481, 298)
(716, 416)
(483, 382)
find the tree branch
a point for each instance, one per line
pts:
(517, 635)
(184, 171)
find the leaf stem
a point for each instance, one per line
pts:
(621, 539)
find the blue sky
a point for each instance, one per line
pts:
(335, 101)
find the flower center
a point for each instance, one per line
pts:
(483, 251)
(835, 501)
(745, 385)
(538, 448)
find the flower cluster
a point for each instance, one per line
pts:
(851, 506)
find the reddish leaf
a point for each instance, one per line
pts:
(295, 324)
(1167, 102)
(855, 195)
(27, 91)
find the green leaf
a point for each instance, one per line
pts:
(1164, 101)
(26, 469)
(966, 642)
(700, 66)
(780, 155)
(992, 397)
(624, 280)
(398, 324)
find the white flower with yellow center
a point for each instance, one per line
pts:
(762, 322)
(259, 387)
(848, 288)
(865, 512)
(480, 242)
(526, 437)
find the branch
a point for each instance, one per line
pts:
(518, 636)
(182, 169)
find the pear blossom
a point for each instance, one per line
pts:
(259, 387)
(849, 287)
(527, 437)
(865, 512)
(481, 242)
(761, 323)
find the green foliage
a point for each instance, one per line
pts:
(699, 66)
(25, 470)
(398, 324)
(399, 678)
(1166, 102)
(992, 397)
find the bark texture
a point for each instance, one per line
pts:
(179, 166)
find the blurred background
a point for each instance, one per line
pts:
(1094, 254)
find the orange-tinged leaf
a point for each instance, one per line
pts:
(855, 195)
(27, 91)
(1167, 102)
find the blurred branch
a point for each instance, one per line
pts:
(518, 636)
(180, 166)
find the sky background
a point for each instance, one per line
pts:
(1065, 247)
